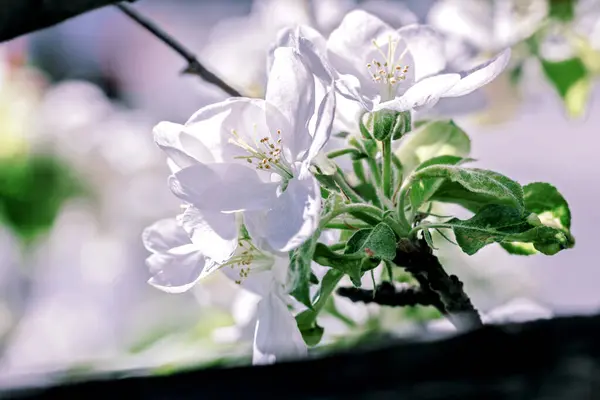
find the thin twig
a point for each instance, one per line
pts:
(194, 66)
(387, 295)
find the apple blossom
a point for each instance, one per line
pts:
(177, 265)
(252, 156)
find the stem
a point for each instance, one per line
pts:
(387, 167)
(359, 170)
(337, 246)
(347, 227)
(346, 188)
(341, 152)
(374, 170)
(401, 209)
(194, 66)
(351, 209)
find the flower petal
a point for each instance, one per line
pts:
(323, 123)
(424, 93)
(480, 75)
(291, 90)
(292, 219)
(164, 235)
(309, 43)
(213, 125)
(427, 49)
(182, 149)
(277, 336)
(223, 187)
(350, 47)
(177, 270)
(215, 234)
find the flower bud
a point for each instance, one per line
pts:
(385, 123)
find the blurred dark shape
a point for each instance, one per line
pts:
(18, 17)
(544, 359)
(32, 191)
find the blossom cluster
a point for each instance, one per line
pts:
(245, 168)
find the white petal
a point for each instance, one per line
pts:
(176, 271)
(277, 336)
(223, 187)
(311, 45)
(215, 234)
(164, 235)
(181, 148)
(424, 93)
(427, 49)
(292, 219)
(323, 124)
(213, 125)
(350, 47)
(480, 75)
(291, 90)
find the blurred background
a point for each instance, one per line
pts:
(80, 176)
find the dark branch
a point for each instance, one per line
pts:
(418, 259)
(194, 66)
(387, 295)
(18, 17)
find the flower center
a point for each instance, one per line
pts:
(388, 70)
(266, 154)
(248, 258)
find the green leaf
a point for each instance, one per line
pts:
(562, 10)
(432, 139)
(488, 187)
(300, 272)
(379, 242)
(552, 210)
(310, 330)
(570, 78)
(550, 206)
(498, 224)
(327, 182)
(350, 266)
(307, 320)
(422, 190)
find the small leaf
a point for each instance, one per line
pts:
(379, 242)
(300, 260)
(497, 223)
(323, 255)
(432, 139)
(570, 78)
(552, 210)
(311, 332)
(307, 320)
(490, 187)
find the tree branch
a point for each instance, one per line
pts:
(18, 17)
(194, 66)
(418, 259)
(386, 294)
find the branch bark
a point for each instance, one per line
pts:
(19, 17)
(418, 259)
